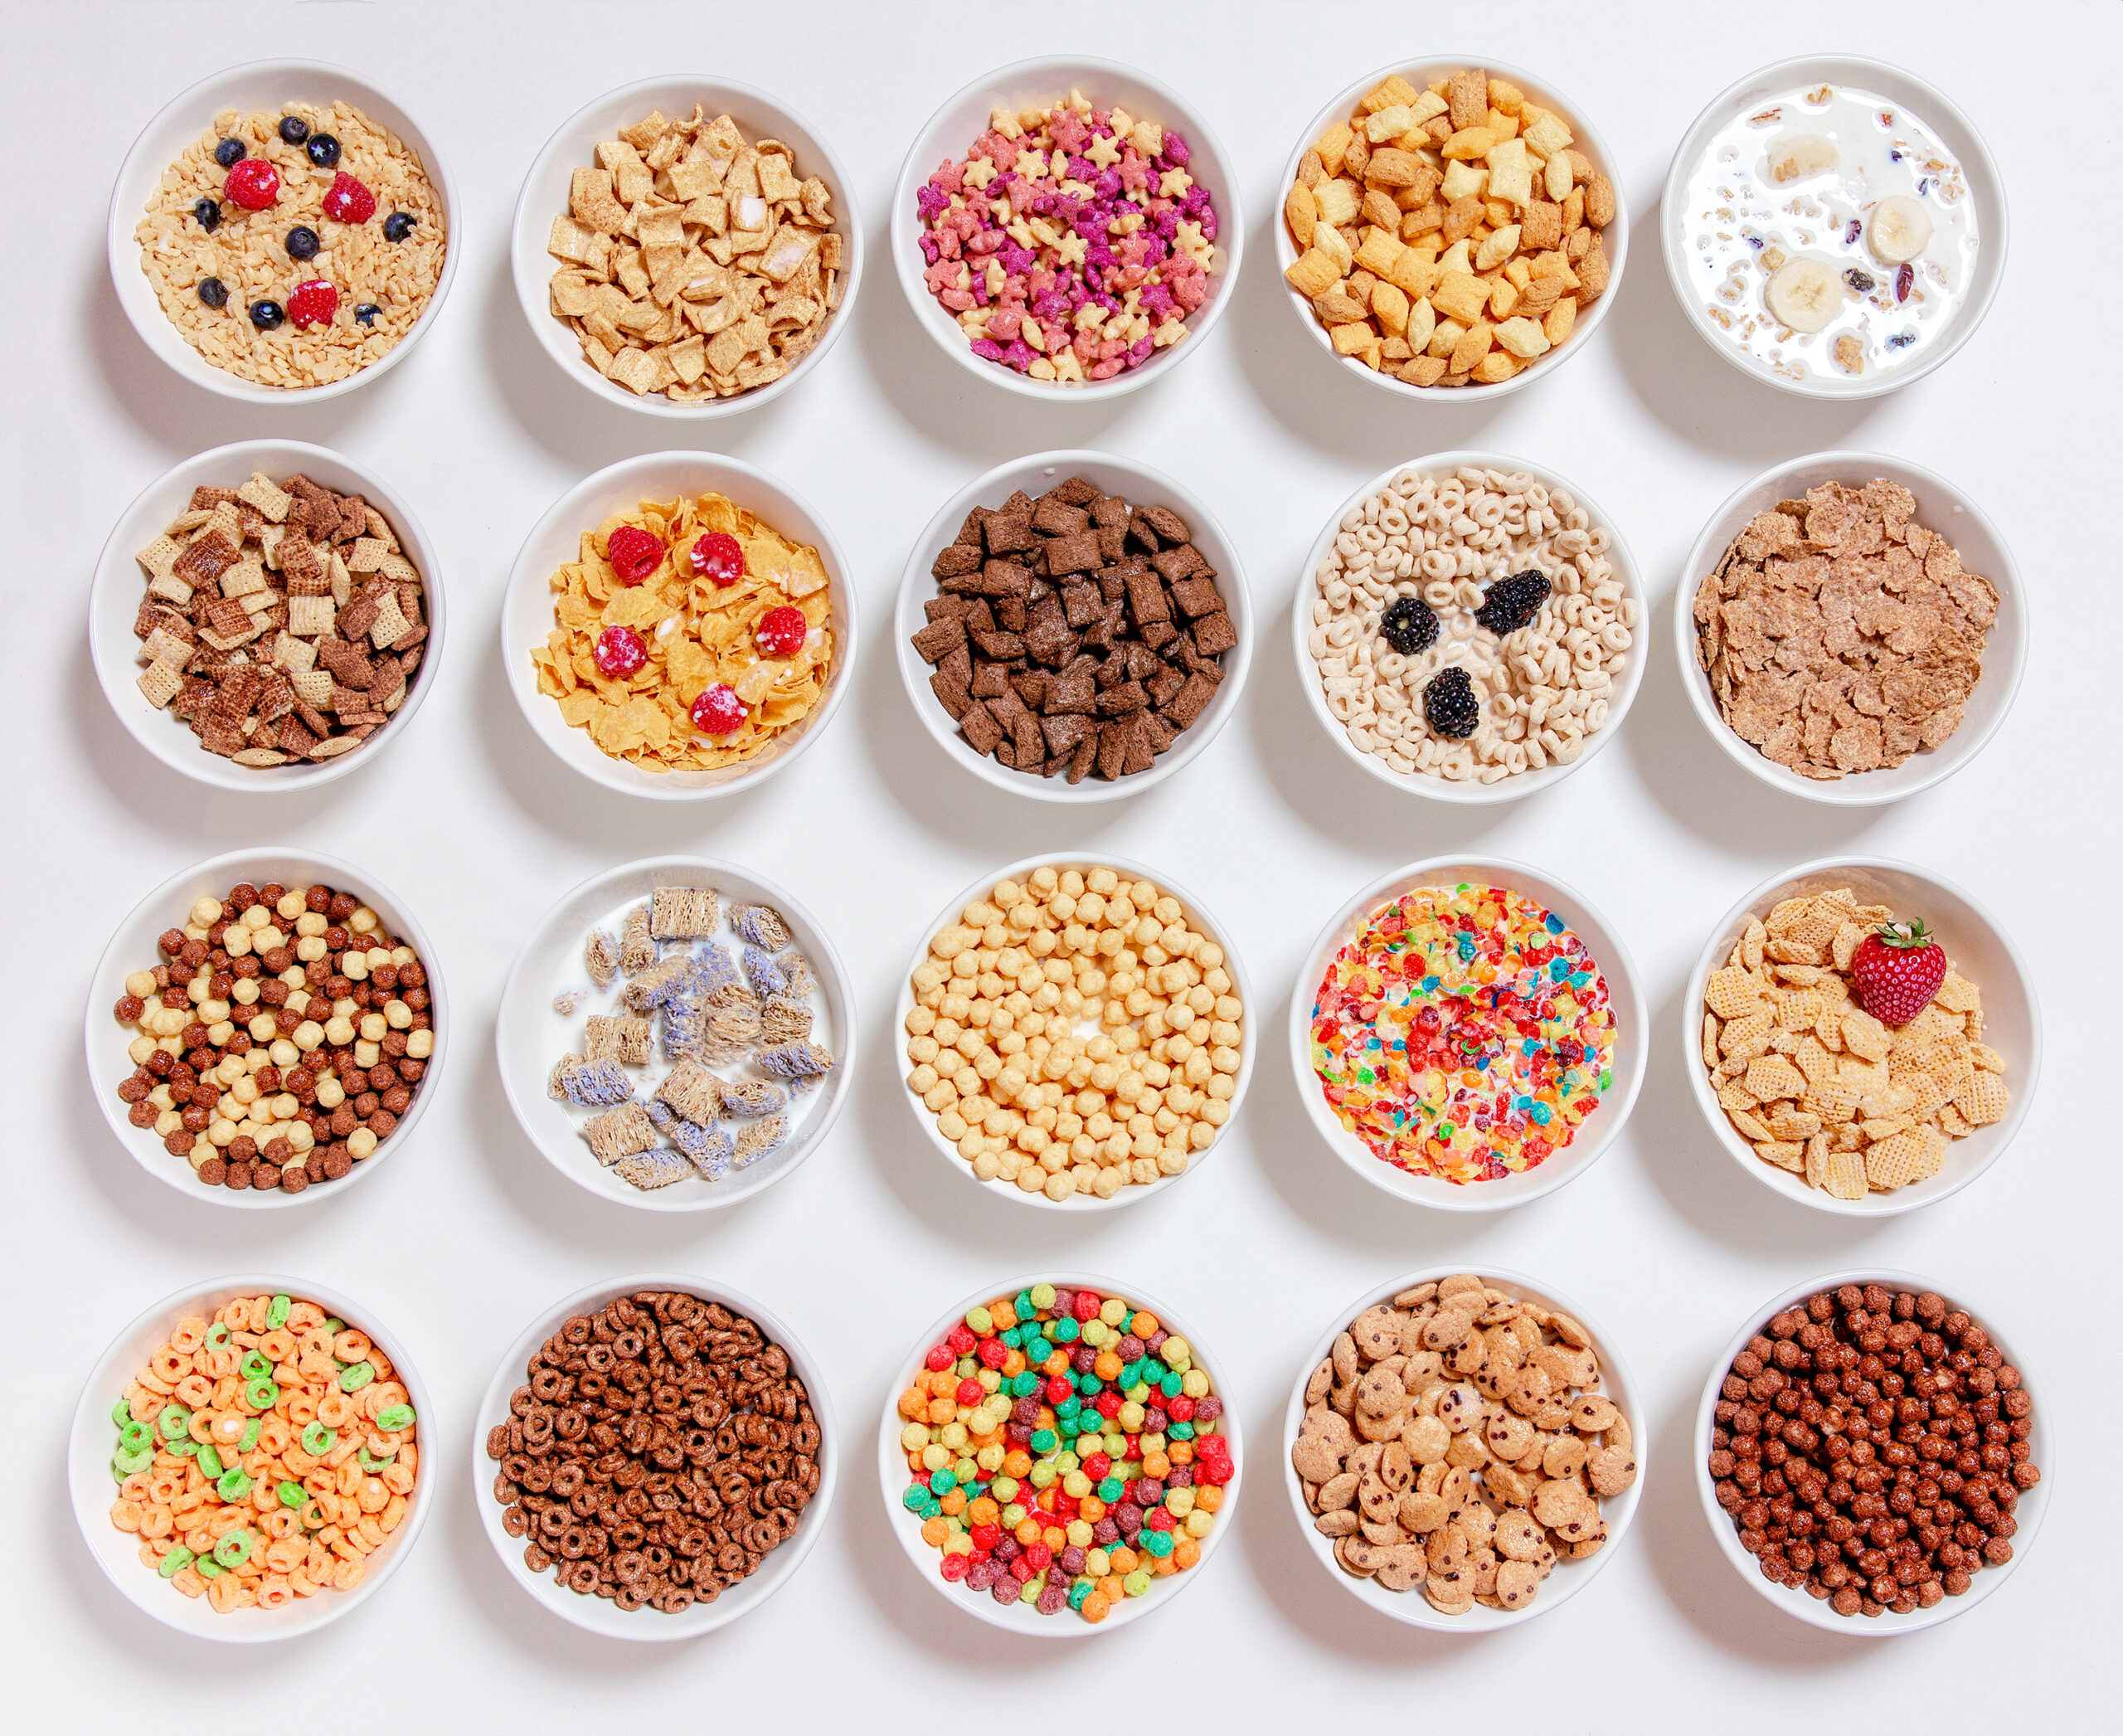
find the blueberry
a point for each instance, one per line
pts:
(398, 225)
(293, 129)
(324, 150)
(266, 314)
(229, 153)
(301, 242)
(366, 314)
(207, 215)
(213, 292)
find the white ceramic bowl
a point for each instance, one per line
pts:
(527, 1032)
(526, 611)
(119, 586)
(1196, 918)
(263, 85)
(1800, 1604)
(574, 146)
(1594, 1134)
(1021, 1618)
(133, 948)
(597, 1615)
(1469, 792)
(1614, 238)
(950, 134)
(89, 1446)
(1940, 507)
(1981, 951)
(1986, 188)
(1137, 484)
(1570, 1577)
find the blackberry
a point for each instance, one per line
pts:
(1409, 626)
(1449, 705)
(1512, 601)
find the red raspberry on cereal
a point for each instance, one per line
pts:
(781, 631)
(253, 183)
(346, 200)
(620, 652)
(720, 556)
(634, 553)
(718, 710)
(313, 302)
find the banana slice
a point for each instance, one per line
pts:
(1805, 293)
(1899, 229)
(1793, 159)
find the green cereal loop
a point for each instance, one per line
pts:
(172, 1422)
(234, 1483)
(121, 1412)
(332, 1328)
(262, 1395)
(369, 1462)
(176, 1562)
(133, 1436)
(210, 1459)
(250, 1435)
(126, 1463)
(276, 1310)
(209, 1568)
(254, 1365)
(117, 1475)
(291, 1494)
(317, 1440)
(395, 1419)
(217, 1334)
(356, 1375)
(234, 1549)
(184, 1447)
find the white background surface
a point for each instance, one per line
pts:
(469, 1235)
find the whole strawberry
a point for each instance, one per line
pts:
(1895, 971)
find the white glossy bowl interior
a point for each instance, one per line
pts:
(526, 611)
(598, 1615)
(1196, 918)
(1138, 484)
(1940, 507)
(263, 85)
(120, 585)
(1981, 951)
(89, 1445)
(1594, 1134)
(1928, 104)
(950, 134)
(1801, 1605)
(1587, 139)
(1570, 1577)
(133, 948)
(527, 1059)
(1021, 1618)
(1469, 792)
(574, 146)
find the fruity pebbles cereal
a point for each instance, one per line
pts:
(1071, 243)
(1062, 1450)
(1464, 1034)
(687, 635)
(264, 1455)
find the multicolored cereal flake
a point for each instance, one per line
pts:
(1464, 1034)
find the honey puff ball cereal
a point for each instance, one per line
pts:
(1076, 1031)
(264, 1454)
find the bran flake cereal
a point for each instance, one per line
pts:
(1464, 1033)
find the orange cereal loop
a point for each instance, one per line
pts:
(261, 1307)
(1112, 1588)
(1186, 1553)
(351, 1346)
(334, 1410)
(1108, 1367)
(942, 1411)
(982, 1510)
(393, 1515)
(1055, 1537)
(1180, 1452)
(304, 1316)
(1013, 1364)
(285, 1555)
(1028, 1531)
(125, 1513)
(189, 1335)
(1057, 1363)
(1124, 1561)
(157, 1521)
(1017, 1462)
(348, 1574)
(935, 1532)
(274, 1593)
(189, 1581)
(1164, 1566)
(1095, 1605)
(277, 1345)
(399, 1478)
(1208, 1497)
(1090, 1510)
(1155, 1465)
(953, 1502)
(1145, 1324)
(225, 1593)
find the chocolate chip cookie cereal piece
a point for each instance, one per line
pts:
(997, 1034)
(1455, 1442)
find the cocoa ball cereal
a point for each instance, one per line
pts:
(1491, 574)
(1456, 1442)
(1075, 1032)
(263, 1456)
(660, 1449)
(1870, 1445)
(281, 1038)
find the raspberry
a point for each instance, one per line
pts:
(253, 183)
(781, 631)
(313, 302)
(720, 556)
(634, 553)
(718, 710)
(620, 652)
(346, 200)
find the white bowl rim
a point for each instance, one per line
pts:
(700, 1618)
(115, 562)
(808, 1139)
(1800, 1605)
(892, 1469)
(91, 1413)
(1411, 1606)
(1874, 1205)
(532, 298)
(1429, 785)
(1935, 102)
(1584, 132)
(165, 343)
(1962, 745)
(900, 230)
(98, 1027)
(720, 467)
(1616, 965)
(1130, 1194)
(1230, 583)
